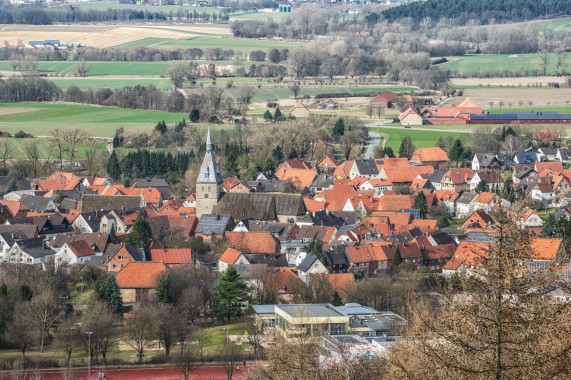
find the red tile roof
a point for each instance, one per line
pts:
(172, 255)
(140, 274)
(230, 256)
(543, 248)
(429, 154)
(80, 248)
(301, 178)
(484, 197)
(555, 166)
(395, 202)
(253, 242)
(284, 280)
(342, 283)
(467, 253)
(400, 174)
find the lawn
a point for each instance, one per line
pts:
(420, 138)
(215, 337)
(470, 65)
(87, 83)
(98, 121)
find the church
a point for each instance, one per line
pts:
(211, 198)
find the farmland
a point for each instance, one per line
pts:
(472, 65)
(97, 121)
(243, 44)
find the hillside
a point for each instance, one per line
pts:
(481, 10)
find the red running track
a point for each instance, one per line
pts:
(204, 372)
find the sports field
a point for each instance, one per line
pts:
(471, 65)
(420, 138)
(39, 118)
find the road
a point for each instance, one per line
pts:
(374, 139)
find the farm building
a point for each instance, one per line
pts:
(383, 100)
(410, 116)
(299, 110)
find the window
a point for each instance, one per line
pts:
(114, 265)
(121, 265)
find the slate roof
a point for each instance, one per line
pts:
(260, 206)
(20, 231)
(38, 203)
(442, 238)
(322, 219)
(466, 197)
(436, 177)
(91, 202)
(307, 262)
(212, 224)
(368, 167)
(35, 247)
(275, 261)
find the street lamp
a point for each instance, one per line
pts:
(89, 350)
(227, 362)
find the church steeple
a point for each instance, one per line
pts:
(209, 172)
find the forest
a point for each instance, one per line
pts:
(484, 11)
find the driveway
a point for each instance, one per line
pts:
(374, 140)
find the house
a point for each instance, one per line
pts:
(555, 167)
(435, 179)
(310, 265)
(447, 198)
(367, 259)
(329, 104)
(478, 219)
(377, 185)
(527, 157)
(395, 202)
(466, 257)
(160, 184)
(564, 155)
(343, 170)
(485, 201)
(318, 148)
(320, 183)
(493, 179)
(190, 201)
(95, 202)
(545, 135)
(328, 161)
(364, 168)
(383, 100)
(547, 153)
(87, 222)
(299, 110)
(547, 250)
(231, 257)
(482, 161)
(301, 178)
(138, 279)
(261, 206)
(73, 252)
(292, 163)
(342, 284)
(38, 203)
(529, 219)
(126, 253)
(457, 179)
(432, 156)
(283, 280)
(253, 242)
(450, 115)
(465, 205)
(29, 251)
(172, 256)
(213, 226)
(404, 175)
(95, 181)
(410, 116)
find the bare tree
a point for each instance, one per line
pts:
(379, 110)
(295, 89)
(187, 361)
(74, 137)
(511, 145)
(255, 336)
(245, 94)
(500, 322)
(213, 95)
(560, 61)
(99, 320)
(46, 313)
(21, 329)
(31, 148)
(369, 110)
(543, 60)
(6, 153)
(171, 327)
(68, 337)
(177, 73)
(58, 142)
(139, 331)
(94, 157)
(82, 68)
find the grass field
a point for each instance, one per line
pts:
(471, 65)
(420, 138)
(204, 42)
(97, 121)
(556, 109)
(147, 42)
(87, 83)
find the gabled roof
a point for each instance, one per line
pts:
(298, 105)
(342, 283)
(429, 154)
(253, 242)
(343, 170)
(466, 198)
(301, 178)
(368, 167)
(230, 256)
(283, 278)
(172, 255)
(80, 248)
(384, 97)
(144, 274)
(260, 206)
(484, 197)
(460, 175)
(307, 262)
(212, 224)
(91, 202)
(467, 253)
(542, 248)
(400, 174)
(395, 202)
(556, 166)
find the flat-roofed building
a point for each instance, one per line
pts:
(310, 319)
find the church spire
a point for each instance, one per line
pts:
(209, 172)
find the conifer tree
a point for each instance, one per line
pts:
(269, 164)
(113, 167)
(457, 152)
(110, 293)
(278, 115)
(434, 201)
(420, 204)
(397, 260)
(12, 186)
(339, 128)
(139, 234)
(278, 154)
(549, 227)
(163, 289)
(230, 295)
(406, 148)
(336, 301)
(268, 115)
(112, 235)
(194, 115)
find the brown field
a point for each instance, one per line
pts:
(546, 97)
(524, 81)
(12, 110)
(197, 29)
(100, 36)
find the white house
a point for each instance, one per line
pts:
(529, 219)
(485, 201)
(74, 252)
(547, 154)
(379, 185)
(87, 222)
(310, 265)
(29, 251)
(231, 257)
(464, 204)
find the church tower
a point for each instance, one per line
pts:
(209, 182)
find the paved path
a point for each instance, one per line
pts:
(374, 139)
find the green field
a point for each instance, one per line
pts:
(147, 42)
(46, 150)
(420, 138)
(556, 109)
(97, 121)
(87, 83)
(229, 43)
(471, 65)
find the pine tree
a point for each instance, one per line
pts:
(25, 292)
(230, 295)
(420, 204)
(397, 260)
(110, 293)
(434, 201)
(278, 115)
(440, 143)
(482, 186)
(139, 234)
(278, 154)
(231, 162)
(194, 115)
(113, 167)
(339, 128)
(336, 301)
(162, 292)
(406, 148)
(269, 164)
(12, 186)
(549, 227)
(457, 151)
(112, 235)
(315, 247)
(161, 127)
(268, 115)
